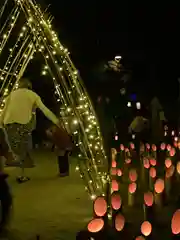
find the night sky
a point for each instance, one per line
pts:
(147, 37)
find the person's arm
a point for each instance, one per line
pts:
(50, 115)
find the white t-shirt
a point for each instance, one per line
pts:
(19, 107)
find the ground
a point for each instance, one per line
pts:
(49, 206)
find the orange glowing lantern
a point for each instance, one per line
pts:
(148, 146)
(115, 186)
(133, 175)
(172, 152)
(168, 163)
(159, 186)
(152, 172)
(132, 146)
(168, 147)
(140, 238)
(119, 172)
(154, 148)
(114, 164)
(128, 160)
(175, 223)
(119, 222)
(116, 201)
(163, 146)
(146, 163)
(113, 171)
(100, 206)
(178, 167)
(146, 228)
(152, 161)
(148, 199)
(170, 171)
(132, 187)
(121, 147)
(95, 225)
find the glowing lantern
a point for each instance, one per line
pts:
(175, 139)
(116, 201)
(159, 186)
(128, 160)
(163, 146)
(119, 222)
(148, 146)
(153, 162)
(119, 172)
(138, 105)
(146, 228)
(154, 148)
(178, 167)
(121, 147)
(116, 138)
(146, 163)
(114, 164)
(168, 163)
(148, 199)
(172, 152)
(113, 171)
(133, 175)
(152, 172)
(175, 222)
(95, 225)
(115, 186)
(132, 146)
(168, 147)
(100, 206)
(129, 104)
(140, 238)
(132, 187)
(172, 133)
(170, 171)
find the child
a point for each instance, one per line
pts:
(63, 145)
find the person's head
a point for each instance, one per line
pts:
(24, 83)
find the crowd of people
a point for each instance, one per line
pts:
(17, 123)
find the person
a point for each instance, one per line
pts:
(18, 117)
(63, 147)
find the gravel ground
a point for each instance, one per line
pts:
(49, 206)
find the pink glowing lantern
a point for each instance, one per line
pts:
(100, 206)
(95, 225)
(148, 199)
(132, 187)
(119, 222)
(133, 175)
(116, 137)
(119, 172)
(121, 147)
(168, 163)
(148, 146)
(163, 146)
(170, 171)
(153, 161)
(154, 148)
(115, 186)
(168, 147)
(113, 171)
(128, 160)
(178, 167)
(116, 201)
(159, 186)
(152, 172)
(140, 238)
(146, 163)
(175, 223)
(172, 152)
(146, 228)
(114, 164)
(132, 146)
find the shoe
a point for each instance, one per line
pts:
(22, 179)
(64, 174)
